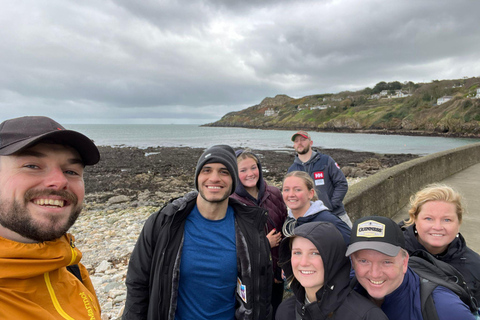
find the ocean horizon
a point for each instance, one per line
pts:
(196, 136)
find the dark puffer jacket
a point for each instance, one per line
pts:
(154, 267)
(335, 300)
(458, 255)
(269, 198)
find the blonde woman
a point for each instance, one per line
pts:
(434, 226)
(299, 195)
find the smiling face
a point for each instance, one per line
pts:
(296, 195)
(378, 273)
(307, 266)
(248, 172)
(41, 192)
(214, 182)
(437, 225)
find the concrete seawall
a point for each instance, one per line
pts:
(388, 191)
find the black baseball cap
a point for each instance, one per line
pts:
(377, 233)
(20, 133)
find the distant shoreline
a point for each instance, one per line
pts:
(400, 132)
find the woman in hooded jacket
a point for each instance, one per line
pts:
(299, 195)
(314, 263)
(253, 190)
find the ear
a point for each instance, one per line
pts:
(311, 142)
(311, 193)
(405, 263)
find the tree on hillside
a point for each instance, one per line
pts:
(379, 87)
(410, 86)
(367, 91)
(391, 86)
(395, 85)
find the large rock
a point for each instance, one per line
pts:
(118, 199)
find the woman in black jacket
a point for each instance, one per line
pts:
(434, 226)
(315, 265)
(253, 190)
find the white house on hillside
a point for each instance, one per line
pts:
(400, 94)
(478, 93)
(444, 99)
(270, 112)
(322, 107)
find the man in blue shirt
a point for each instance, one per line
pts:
(203, 256)
(380, 261)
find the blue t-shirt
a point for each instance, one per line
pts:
(208, 268)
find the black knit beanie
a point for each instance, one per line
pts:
(219, 154)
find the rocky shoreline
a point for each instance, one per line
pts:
(129, 184)
(384, 131)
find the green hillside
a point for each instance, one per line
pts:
(406, 108)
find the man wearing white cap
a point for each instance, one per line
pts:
(380, 261)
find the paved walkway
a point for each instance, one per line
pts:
(467, 182)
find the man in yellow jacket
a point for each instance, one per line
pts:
(41, 196)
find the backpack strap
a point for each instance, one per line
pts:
(75, 270)
(443, 274)
(429, 312)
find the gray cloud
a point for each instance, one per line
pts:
(193, 61)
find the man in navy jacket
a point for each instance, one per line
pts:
(330, 182)
(380, 261)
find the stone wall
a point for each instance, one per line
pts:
(388, 191)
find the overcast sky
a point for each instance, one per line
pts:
(193, 61)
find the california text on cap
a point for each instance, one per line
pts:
(20, 133)
(377, 233)
(301, 133)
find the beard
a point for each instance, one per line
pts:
(16, 217)
(305, 150)
(219, 200)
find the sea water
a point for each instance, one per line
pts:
(195, 136)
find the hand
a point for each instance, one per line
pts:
(274, 238)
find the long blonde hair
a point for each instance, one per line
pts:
(306, 179)
(434, 192)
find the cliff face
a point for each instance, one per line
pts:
(278, 101)
(417, 109)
